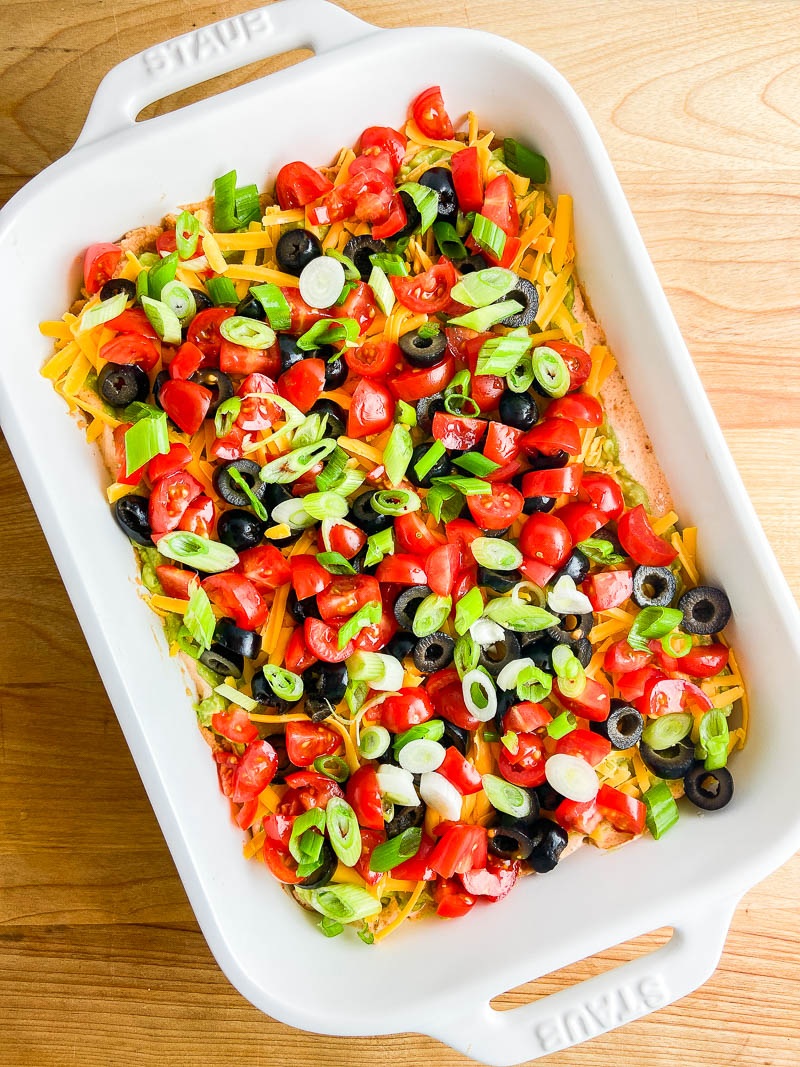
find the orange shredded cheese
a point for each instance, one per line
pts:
(553, 297)
(562, 225)
(260, 274)
(169, 603)
(661, 525)
(408, 907)
(254, 844)
(350, 753)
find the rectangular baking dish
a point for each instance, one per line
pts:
(433, 977)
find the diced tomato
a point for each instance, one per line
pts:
(428, 292)
(525, 767)
(582, 520)
(226, 762)
(642, 545)
(413, 385)
(604, 493)
(185, 361)
(175, 460)
(235, 725)
(357, 192)
(346, 540)
(130, 348)
(704, 661)
(385, 139)
(297, 658)
(246, 815)
(553, 435)
(451, 899)
(186, 403)
(441, 568)
(458, 431)
(360, 305)
(546, 539)
(364, 797)
(322, 639)
(264, 566)
(537, 572)
(174, 581)
(608, 589)
(620, 658)
(624, 812)
(394, 222)
(170, 498)
(303, 316)
(462, 532)
(239, 359)
(375, 160)
(371, 409)
(449, 704)
(486, 390)
(346, 594)
(257, 413)
(204, 332)
(526, 717)
(133, 320)
(581, 816)
(553, 482)
(468, 179)
(99, 263)
(502, 443)
(370, 839)
(230, 446)
(374, 359)
(375, 637)
(199, 516)
(280, 863)
(429, 113)
(308, 576)
(500, 205)
(417, 868)
(298, 184)
(401, 569)
(586, 744)
(237, 598)
(593, 703)
(413, 535)
(632, 684)
(495, 882)
(498, 509)
(460, 772)
(461, 848)
(255, 771)
(466, 580)
(406, 708)
(305, 741)
(664, 696)
(313, 790)
(582, 409)
(579, 363)
(302, 383)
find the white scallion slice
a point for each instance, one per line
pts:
(227, 692)
(321, 281)
(180, 299)
(391, 677)
(506, 797)
(105, 310)
(374, 741)
(421, 756)
(572, 777)
(441, 795)
(485, 633)
(397, 785)
(293, 514)
(507, 678)
(163, 320)
(480, 695)
(565, 599)
(495, 553)
(343, 903)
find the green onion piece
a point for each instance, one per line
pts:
(233, 696)
(476, 464)
(397, 454)
(500, 355)
(334, 469)
(520, 378)
(310, 430)
(351, 271)
(255, 503)
(662, 811)
(510, 741)
(105, 310)
(379, 545)
(142, 284)
(199, 617)
(163, 320)
(351, 480)
(428, 461)
(366, 935)
(652, 622)
(481, 319)
(147, 437)
(162, 273)
(186, 644)
(365, 667)
(196, 551)
(467, 486)
(489, 236)
(222, 291)
(225, 202)
(667, 730)
(459, 383)
(507, 798)
(344, 903)
(342, 826)
(563, 659)
(431, 614)
(395, 502)
(468, 609)
(518, 616)
(300, 845)
(396, 850)
(533, 683)
(490, 736)
(248, 208)
(180, 299)
(355, 694)
(369, 615)
(599, 551)
(466, 654)
(282, 682)
(289, 467)
(432, 730)
(330, 927)
(444, 503)
(484, 287)
(425, 200)
(389, 263)
(495, 553)
(550, 371)
(328, 505)
(187, 234)
(450, 244)
(335, 563)
(274, 304)
(137, 410)
(430, 329)
(714, 738)
(250, 333)
(404, 413)
(458, 404)
(384, 294)
(374, 741)
(328, 332)
(677, 645)
(524, 161)
(562, 725)
(347, 289)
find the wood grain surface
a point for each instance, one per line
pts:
(101, 961)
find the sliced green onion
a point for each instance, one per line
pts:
(405, 413)
(351, 271)
(466, 654)
(520, 378)
(347, 289)
(562, 725)
(714, 738)
(196, 551)
(484, 287)
(365, 666)
(148, 437)
(518, 616)
(328, 332)
(250, 333)
(248, 207)
(507, 798)
(397, 785)
(330, 927)
(652, 622)
(495, 553)
(534, 684)
(480, 695)
(488, 236)
(599, 550)
(490, 736)
(342, 826)
(677, 645)
(431, 614)
(468, 610)
(187, 234)
(199, 617)
(444, 503)
(476, 464)
(379, 545)
(292, 513)
(334, 469)
(429, 329)
(450, 244)
(282, 682)
(187, 644)
(428, 461)
(365, 934)
(369, 615)
(458, 404)
(422, 756)
(142, 285)
(335, 563)
(255, 503)
(566, 599)
(384, 294)
(500, 355)
(524, 161)
(432, 730)
(163, 320)
(351, 480)
(289, 467)
(467, 486)
(510, 741)
(550, 371)
(344, 903)
(105, 310)
(310, 430)
(321, 281)
(662, 811)
(396, 850)
(667, 730)
(326, 505)
(395, 502)
(222, 291)
(355, 694)
(225, 202)
(180, 299)
(274, 304)
(459, 383)
(233, 696)
(374, 741)
(304, 844)
(481, 319)
(426, 202)
(162, 273)
(397, 454)
(389, 263)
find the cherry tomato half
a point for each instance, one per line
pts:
(427, 292)
(298, 184)
(305, 741)
(385, 139)
(237, 598)
(500, 205)
(624, 812)
(413, 385)
(545, 538)
(404, 709)
(322, 640)
(468, 179)
(130, 348)
(265, 566)
(429, 113)
(235, 725)
(99, 263)
(346, 594)
(604, 493)
(186, 403)
(582, 520)
(498, 509)
(204, 331)
(170, 498)
(608, 589)
(371, 408)
(640, 542)
(302, 383)
(364, 797)
(458, 431)
(551, 436)
(579, 363)
(255, 771)
(374, 359)
(553, 482)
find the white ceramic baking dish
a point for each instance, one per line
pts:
(432, 977)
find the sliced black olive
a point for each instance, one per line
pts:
(582, 650)
(325, 872)
(470, 265)
(359, 249)
(118, 285)
(119, 384)
(441, 468)
(623, 727)
(548, 841)
(548, 463)
(456, 736)
(576, 567)
(239, 529)
(300, 610)
(441, 181)
(131, 514)
(364, 515)
(401, 645)
(706, 610)
(336, 370)
(227, 488)
(498, 655)
(337, 420)
(251, 308)
(405, 819)
(235, 639)
(223, 661)
(426, 408)
(202, 300)
(265, 695)
(499, 581)
(528, 297)
(539, 648)
(509, 842)
(609, 533)
(413, 217)
(709, 790)
(433, 653)
(295, 249)
(405, 607)
(572, 628)
(653, 586)
(290, 353)
(285, 766)
(506, 698)
(538, 503)
(161, 380)
(548, 798)
(673, 762)
(219, 385)
(324, 685)
(421, 351)
(518, 409)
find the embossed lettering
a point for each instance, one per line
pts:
(231, 31)
(653, 990)
(206, 43)
(549, 1035)
(578, 1025)
(600, 1011)
(255, 21)
(155, 60)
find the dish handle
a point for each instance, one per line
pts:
(597, 1005)
(213, 50)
